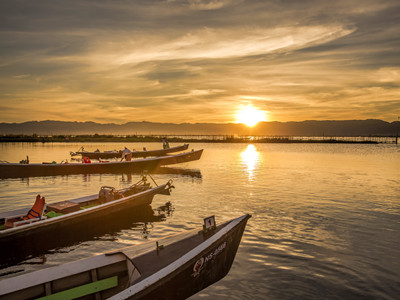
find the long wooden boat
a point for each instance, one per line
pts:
(15, 170)
(174, 267)
(58, 217)
(116, 154)
(109, 226)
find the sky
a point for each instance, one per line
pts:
(194, 61)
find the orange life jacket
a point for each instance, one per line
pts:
(37, 209)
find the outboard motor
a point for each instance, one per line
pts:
(106, 194)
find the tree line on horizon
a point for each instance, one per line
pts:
(370, 127)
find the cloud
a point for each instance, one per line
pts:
(388, 75)
(209, 4)
(210, 43)
(198, 60)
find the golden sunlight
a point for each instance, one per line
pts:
(250, 116)
(250, 157)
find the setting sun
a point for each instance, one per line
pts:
(250, 116)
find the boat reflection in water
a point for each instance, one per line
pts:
(127, 177)
(250, 157)
(178, 171)
(140, 219)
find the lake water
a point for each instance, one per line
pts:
(325, 217)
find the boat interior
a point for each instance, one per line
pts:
(41, 211)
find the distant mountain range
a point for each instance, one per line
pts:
(305, 128)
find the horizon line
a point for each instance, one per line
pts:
(228, 123)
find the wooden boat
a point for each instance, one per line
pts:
(174, 267)
(60, 216)
(15, 170)
(108, 226)
(117, 154)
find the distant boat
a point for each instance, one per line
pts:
(115, 153)
(15, 170)
(53, 219)
(175, 267)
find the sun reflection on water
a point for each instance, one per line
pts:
(250, 157)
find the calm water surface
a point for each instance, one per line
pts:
(326, 218)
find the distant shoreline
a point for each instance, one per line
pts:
(194, 139)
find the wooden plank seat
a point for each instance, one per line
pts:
(18, 221)
(64, 207)
(82, 200)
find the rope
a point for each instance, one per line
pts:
(153, 179)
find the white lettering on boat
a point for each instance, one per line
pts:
(203, 261)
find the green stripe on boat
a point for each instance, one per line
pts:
(53, 214)
(88, 206)
(84, 290)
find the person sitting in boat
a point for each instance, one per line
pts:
(165, 143)
(126, 154)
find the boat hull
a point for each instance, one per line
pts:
(185, 281)
(12, 170)
(41, 236)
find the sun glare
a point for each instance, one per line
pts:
(250, 116)
(251, 158)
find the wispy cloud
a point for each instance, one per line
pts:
(197, 61)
